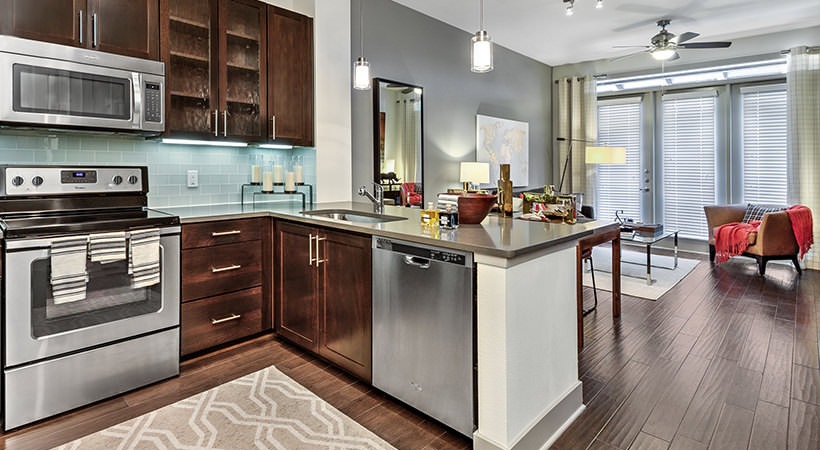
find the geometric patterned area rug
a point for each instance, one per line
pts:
(633, 272)
(263, 410)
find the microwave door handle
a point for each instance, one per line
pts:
(136, 103)
(81, 27)
(94, 30)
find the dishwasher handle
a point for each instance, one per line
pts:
(421, 263)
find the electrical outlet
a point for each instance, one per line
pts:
(193, 178)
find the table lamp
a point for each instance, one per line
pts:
(474, 173)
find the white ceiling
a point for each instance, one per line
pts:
(540, 29)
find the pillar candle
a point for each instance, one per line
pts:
(267, 184)
(290, 184)
(277, 174)
(299, 177)
(256, 174)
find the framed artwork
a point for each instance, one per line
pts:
(503, 141)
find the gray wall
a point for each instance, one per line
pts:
(407, 46)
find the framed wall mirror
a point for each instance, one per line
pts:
(398, 141)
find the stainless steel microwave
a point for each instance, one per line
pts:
(51, 85)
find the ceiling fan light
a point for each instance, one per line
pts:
(599, 4)
(569, 9)
(481, 53)
(663, 54)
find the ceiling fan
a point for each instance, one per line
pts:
(664, 45)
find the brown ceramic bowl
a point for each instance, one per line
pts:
(473, 207)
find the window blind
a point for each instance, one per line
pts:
(689, 147)
(764, 134)
(619, 125)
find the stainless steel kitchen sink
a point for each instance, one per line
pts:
(350, 215)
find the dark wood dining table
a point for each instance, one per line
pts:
(610, 233)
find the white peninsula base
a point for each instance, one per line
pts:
(528, 386)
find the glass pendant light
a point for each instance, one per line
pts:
(481, 50)
(361, 68)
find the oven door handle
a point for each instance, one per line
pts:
(226, 268)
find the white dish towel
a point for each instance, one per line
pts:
(107, 247)
(143, 258)
(69, 278)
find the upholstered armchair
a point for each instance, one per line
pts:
(411, 194)
(774, 238)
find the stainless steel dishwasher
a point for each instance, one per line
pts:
(423, 321)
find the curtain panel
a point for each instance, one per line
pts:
(803, 91)
(577, 123)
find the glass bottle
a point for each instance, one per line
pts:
(429, 216)
(448, 219)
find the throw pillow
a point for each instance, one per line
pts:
(755, 212)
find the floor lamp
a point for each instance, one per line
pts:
(569, 157)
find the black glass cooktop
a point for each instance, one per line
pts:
(57, 223)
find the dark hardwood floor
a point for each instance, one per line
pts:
(725, 360)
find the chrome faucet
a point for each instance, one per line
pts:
(377, 199)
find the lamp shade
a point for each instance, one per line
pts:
(474, 172)
(389, 165)
(605, 155)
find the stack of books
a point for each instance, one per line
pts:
(643, 229)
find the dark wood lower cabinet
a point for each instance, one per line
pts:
(345, 291)
(214, 320)
(296, 283)
(324, 294)
(226, 282)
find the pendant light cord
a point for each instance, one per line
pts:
(481, 14)
(361, 27)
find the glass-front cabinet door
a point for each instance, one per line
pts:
(217, 69)
(242, 76)
(192, 105)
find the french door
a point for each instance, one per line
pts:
(671, 184)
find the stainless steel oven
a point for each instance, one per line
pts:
(114, 331)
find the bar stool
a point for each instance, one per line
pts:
(586, 256)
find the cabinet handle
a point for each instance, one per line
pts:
(319, 261)
(81, 26)
(216, 123)
(94, 30)
(273, 127)
(225, 319)
(225, 233)
(225, 123)
(310, 249)
(226, 268)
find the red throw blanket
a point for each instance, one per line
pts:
(800, 217)
(731, 239)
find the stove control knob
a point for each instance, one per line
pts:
(117, 179)
(37, 181)
(17, 181)
(133, 179)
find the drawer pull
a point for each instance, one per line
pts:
(225, 233)
(225, 319)
(226, 268)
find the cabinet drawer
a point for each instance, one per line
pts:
(222, 232)
(216, 320)
(216, 270)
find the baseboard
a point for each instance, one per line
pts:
(544, 431)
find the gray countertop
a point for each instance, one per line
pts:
(496, 236)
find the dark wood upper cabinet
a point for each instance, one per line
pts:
(215, 53)
(125, 27)
(290, 76)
